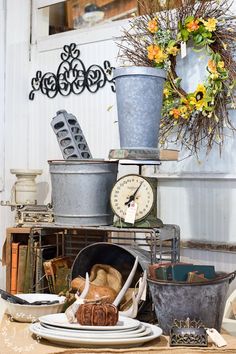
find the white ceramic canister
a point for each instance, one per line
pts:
(24, 190)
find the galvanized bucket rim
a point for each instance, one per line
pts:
(139, 70)
(220, 279)
(81, 161)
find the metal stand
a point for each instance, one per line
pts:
(160, 244)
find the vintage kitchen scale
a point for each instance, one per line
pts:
(133, 201)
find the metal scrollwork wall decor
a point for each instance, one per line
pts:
(72, 76)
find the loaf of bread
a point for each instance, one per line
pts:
(102, 314)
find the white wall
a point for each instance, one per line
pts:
(204, 209)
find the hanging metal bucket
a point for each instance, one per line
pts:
(200, 301)
(139, 94)
(81, 191)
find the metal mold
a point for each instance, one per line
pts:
(70, 137)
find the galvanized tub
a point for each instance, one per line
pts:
(120, 257)
(81, 191)
(200, 301)
(139, 95)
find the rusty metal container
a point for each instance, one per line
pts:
(200, 301)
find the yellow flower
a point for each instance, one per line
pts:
(175, 112)
(200, 104)
(172, 50)
(200, 89)
(214, 76)
(184, 112)
(210, 24)
(183, 109)
(156, 53)
(153, 50)
(212, 66)
(192, 101)
(152, 26)
(160, 56)
(221, 65)
(166, 92)
(192, 26)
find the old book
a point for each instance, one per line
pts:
(51, 268)
(28, 270)
(153, 267)
(179, 272)
(21, 268)
(14, 266)
(145, 154)
(193, 277)
(43, 253)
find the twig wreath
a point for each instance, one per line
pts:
(193, 119)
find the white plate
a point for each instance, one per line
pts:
(139, 329)
(92, 335)
(60, 320)
(90, 342)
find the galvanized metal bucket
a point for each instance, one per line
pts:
(120, 257)
(139, 94)
(81, 191)
(201, 301)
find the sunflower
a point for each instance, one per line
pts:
(200, 97)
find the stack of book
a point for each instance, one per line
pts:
(181, 272)
(27, 266)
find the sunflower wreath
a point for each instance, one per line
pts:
(199, 118)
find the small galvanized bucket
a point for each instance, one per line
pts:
(81, 191)
(199, 301)
(139, 95)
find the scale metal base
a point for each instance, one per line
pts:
(149, 222)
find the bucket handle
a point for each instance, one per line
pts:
(232, 276)
(229, 276)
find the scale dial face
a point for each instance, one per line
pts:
(132, 188)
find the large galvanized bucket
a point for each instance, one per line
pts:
(139, 94)
(81, 191)
(120, 257)
(200, 301)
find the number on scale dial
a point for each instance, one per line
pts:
(132, 188)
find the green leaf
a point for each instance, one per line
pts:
(197, 38)
(180, 26)
(177, 81)
(205, 34)
(172, 43)
(188, 19)
(184, 34)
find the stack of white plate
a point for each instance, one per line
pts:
(127, 332)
